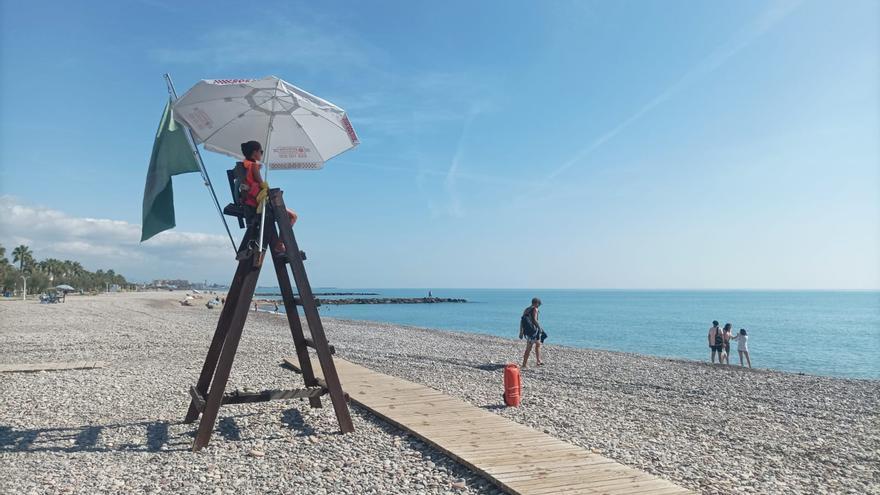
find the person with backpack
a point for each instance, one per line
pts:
(716, 341)
(532, 331)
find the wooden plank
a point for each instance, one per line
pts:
(56, 366)
(311, 343)
(631, 482)
(300, 342)
(485, 440)
(495, 442)
(422, 409)
(604, 470)
(518, 459)
(605, 481)
(456, 419)
(642, 487)
(538, 469)
(223, 366)
(513, 465)
(487, 426)
(226, 314)
(197, 399)
(310, 309)
(239, 397)
(415, 397)
(516, 462)
(589, 487)
(319, 379)
(535, 462)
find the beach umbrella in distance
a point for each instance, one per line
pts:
(65, 288)
(297, 129)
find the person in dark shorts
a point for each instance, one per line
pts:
(532, 331)
(715, 341)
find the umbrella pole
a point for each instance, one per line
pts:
(265, 178)
(267, 153)
(205, 177)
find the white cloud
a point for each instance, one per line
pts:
(278, 42)
(105, 243)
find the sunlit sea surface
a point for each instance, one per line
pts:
(816, 332)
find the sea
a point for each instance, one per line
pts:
(832, 333)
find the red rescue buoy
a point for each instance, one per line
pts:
(512, 385)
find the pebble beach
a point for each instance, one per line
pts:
(118, 429)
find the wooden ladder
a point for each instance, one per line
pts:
(210, 391)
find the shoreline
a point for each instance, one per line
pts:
(672, 359)
(851, 352)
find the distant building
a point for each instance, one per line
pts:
(172, 284)
(208, 286)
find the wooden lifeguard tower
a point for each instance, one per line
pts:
(210, 391)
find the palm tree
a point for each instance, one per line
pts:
(22, 255)
(51, 267)
(3, 260)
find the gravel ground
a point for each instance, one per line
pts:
(119, 429)
(710, 428)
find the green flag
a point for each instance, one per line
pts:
(172, 155)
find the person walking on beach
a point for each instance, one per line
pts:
(532, 331)
(725, 339)
(742, 346)
(715, 341)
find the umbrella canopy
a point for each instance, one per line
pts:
(298, 130)
(65, 288)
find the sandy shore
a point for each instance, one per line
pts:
(118, 429)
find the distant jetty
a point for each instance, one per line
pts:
(324, 293)
(374, 300)
(392, 300)
(346, 293)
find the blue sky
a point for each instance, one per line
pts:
(674, 144)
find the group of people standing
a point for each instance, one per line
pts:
(719, 343)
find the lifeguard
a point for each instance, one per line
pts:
(254, 190)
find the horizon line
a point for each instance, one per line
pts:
(742, 289)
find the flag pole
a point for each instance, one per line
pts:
(205, 177)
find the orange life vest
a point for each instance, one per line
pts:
(250, 197)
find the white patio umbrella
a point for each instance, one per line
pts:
(297, 129)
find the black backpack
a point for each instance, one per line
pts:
(527, 325)
(239, 174)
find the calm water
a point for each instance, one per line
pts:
(823, 333)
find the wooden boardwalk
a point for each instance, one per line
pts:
(34, 367)
(517, 458)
